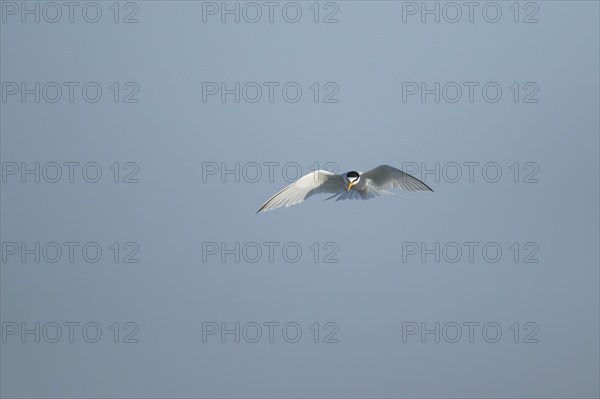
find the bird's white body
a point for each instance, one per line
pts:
(350, 185)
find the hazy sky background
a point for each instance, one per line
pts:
(376, 288)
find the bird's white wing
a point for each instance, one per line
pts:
(317, 182)
(385, 176)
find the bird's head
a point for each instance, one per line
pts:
(352, 178)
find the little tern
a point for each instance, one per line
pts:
(350, 185)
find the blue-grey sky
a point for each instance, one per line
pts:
(498, 101)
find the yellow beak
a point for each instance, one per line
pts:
(350, 185)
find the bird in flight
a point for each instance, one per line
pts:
(350, 185)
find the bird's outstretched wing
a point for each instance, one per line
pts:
(317, 182)
(385, 176)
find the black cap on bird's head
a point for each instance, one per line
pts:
(352, 178)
